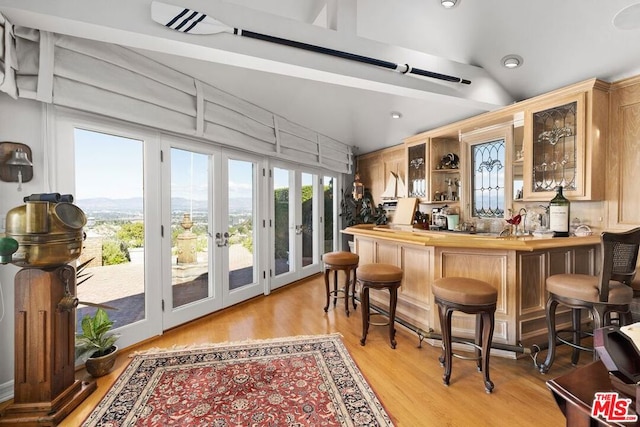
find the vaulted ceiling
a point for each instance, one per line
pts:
(561, 42)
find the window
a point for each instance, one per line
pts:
(488, 179)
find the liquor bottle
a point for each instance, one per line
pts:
(559, 214)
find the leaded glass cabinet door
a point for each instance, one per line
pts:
(556, 149)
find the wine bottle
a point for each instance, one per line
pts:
(559, 214)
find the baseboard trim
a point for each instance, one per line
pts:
(6, 391)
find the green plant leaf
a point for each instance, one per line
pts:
(95, 336)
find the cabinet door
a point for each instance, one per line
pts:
(417, 164)
(371, 171)
(556, 136)
(366, 250)
(559, 261)
(394, 163)
(584, 260)
(624, 157)
(374, 169)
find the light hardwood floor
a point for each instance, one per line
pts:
(408, 380)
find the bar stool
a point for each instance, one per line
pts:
(469, 296)
(340, 261)
(379, 276)
(609, 292)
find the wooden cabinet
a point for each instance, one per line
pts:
(374, 169)
(623, 157)
(559, 138)
(393, 160)
(371, 171)
(433, 169)
(564, 143)
(444, 172)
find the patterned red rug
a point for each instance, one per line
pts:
(296, 381)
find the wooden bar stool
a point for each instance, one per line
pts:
(379, 276)
(347, 262)
(469, 296)
(609, 292)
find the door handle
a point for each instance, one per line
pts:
(222, 240)
(301, 229)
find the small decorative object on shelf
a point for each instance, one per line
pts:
(449, 161)
(583, 231)
(515, 221)
(416, 163)
(559, 214)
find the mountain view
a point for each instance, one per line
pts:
(104, 208)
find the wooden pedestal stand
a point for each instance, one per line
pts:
(45, 388)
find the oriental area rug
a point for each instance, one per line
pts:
(294, 381)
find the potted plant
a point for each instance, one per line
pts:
(95, 346)
(362, 211)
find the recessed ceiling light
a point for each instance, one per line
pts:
(628, 18)
(448, 4)
(512, 61)
(395, 115)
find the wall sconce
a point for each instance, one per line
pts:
(15, 163)
(358, 188)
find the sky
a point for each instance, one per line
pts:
(118, 174)
(107, 166)
(119, 171)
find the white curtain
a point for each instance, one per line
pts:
(114, 81)
(8, 60)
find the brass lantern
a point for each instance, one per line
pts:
(358, 188)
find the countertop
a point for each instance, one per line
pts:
(418, 236)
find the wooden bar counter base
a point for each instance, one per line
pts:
(516, 267)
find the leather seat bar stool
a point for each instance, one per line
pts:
(469, 296)
(340, 261)
(609, 292)
(379, 276)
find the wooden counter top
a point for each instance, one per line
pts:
(463, 240)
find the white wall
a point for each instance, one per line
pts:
(20, 121)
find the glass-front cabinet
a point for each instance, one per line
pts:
(556, 132)
(433, 169)
(417, 166)
(564, 146)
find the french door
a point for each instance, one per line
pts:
(210, 208)
(111, 170)
(178, 229)
(296, 225)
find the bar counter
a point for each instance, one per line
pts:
(516, 266)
